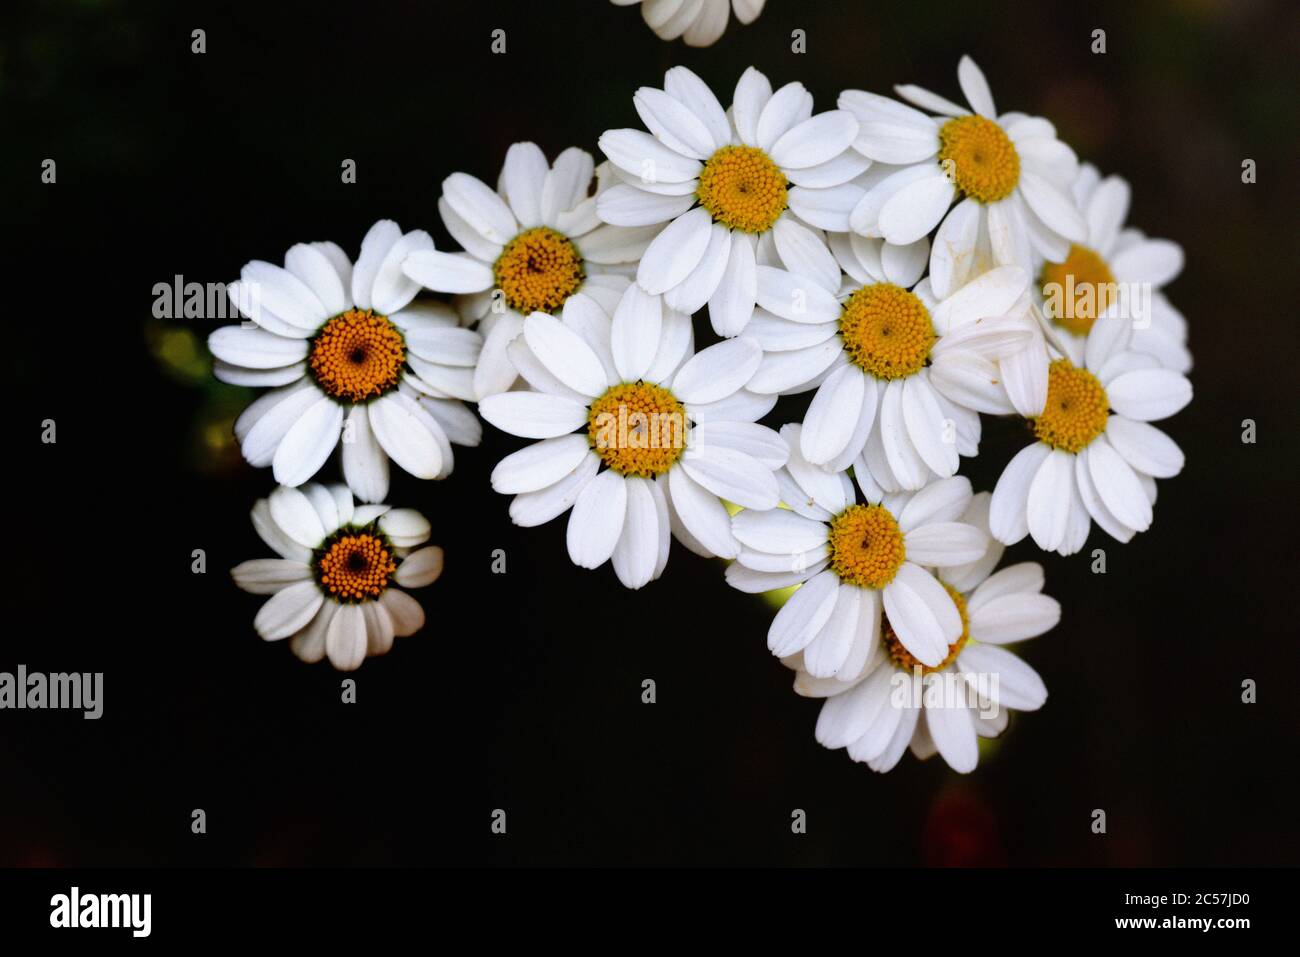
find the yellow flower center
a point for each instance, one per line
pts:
(980, 157)
(354, 566)
(866, 546)
(1076, 409)
(1078, 290)
(638, 429)
(538, 270)
(357, 355)
(887, 331)
(903, 659)
(743, 189)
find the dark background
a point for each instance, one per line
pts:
(523, 692)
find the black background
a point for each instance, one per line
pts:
(524, 690)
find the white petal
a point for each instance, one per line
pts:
(291, 510)
(634, 335)
(533, 415)
(803, 615)
(910, 602)
(1118, 486)
(255, 348)
(672, 254)
(1144, 447)
(816, 140)
(596, 521)
(778, 532)
(1048, 504)
(944, 544)
(448, 272)
(976, 90)
(266, 576)
(308, 443)
(564, 353)
(406, 613)
(288, 610)
(833, 415)
(732, 303)
(521, 181)
(404, 432)
(1149, 394)
(718, 371)
(1008, 518)
(421, 567)
(365, 466)
(379, 239)
(704, 516)
(641, 155)
(953, 734)
(733, 476)
(637, 552)
(345, 638)
(541, 464)
(916, 209)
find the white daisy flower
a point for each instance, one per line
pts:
(754, 185)
(528, 246)
(889, 362)
(854, 562)
(333, 588)
(353, 357)
(1010, 175)
(674, 429)
(1114, 271)
(1096, 457)
(896, 701)
(698, 22)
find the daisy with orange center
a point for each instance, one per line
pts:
(529, 245)
(888, 699)
(900, 377)
(354, 363)
(336, 589)
(640, 435)
(1008, 176)
(725, 191)
(855, 562)
(1096, 458)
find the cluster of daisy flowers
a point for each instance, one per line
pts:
(907, 265)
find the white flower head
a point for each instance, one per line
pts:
(334, 587)
(1116, 271)
(1009, 175)
(528, 246)
(640, 435)
(1096, 458)
(854, 561)
(753, 185)
(900, 376)
(355, 361)
(698, 22)
(894, 701)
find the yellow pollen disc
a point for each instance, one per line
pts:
(887, 331)
(357, 355)
(1078, 290)
(904, 660)
(1076, 409)
(355, 567)
(638, 429)
(984, 163)
(743, 189)
(538, 270)
(866, 546)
